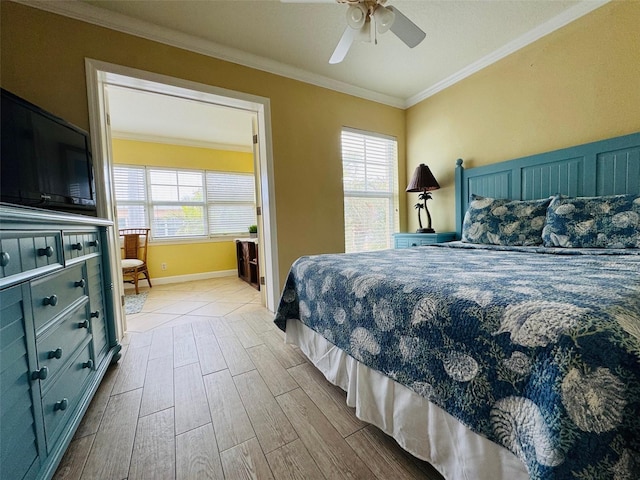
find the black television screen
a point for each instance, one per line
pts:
(46, 161)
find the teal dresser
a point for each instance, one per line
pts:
(57, 333)
(406, 240)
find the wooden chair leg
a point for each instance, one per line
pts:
(135, 282)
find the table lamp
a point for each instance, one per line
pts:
(423, 181)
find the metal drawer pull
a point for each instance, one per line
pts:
(57, 353)
(88, 364)
(52, 300)
(95, 314)
(94, 243)
(76, 246)
(80, 283)
(83, 324)
(45, 252)
(40, 374)
(61, 405)
(4, 259)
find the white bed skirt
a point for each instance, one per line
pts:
(419, 426)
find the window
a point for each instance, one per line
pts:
(184, 203)
(131, 197)
(369, 165)
(176, 203)
(231, 200)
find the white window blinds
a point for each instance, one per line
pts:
(231, 198)
(131, 198)
(185, 203)
(369, 165)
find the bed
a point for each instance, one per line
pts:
(513, 353)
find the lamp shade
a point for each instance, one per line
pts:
(422, 180)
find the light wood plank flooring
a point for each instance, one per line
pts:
(207, 389)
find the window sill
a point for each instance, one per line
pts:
(187, 241)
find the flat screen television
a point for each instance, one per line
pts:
(45, 161)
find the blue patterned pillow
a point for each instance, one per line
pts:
(593, 222)
(504, 222)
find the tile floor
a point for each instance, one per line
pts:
(207, 389)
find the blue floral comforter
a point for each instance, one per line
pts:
(537, 352)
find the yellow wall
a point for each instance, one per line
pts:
(43, 61)
(577, 85)
(187, 257)
(134, 152)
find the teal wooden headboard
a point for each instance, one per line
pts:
(607, 167)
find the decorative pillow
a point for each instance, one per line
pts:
(504, 222)
(593, 222)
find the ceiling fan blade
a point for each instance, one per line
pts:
(405, 29)
(344, 44)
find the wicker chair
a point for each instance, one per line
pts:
(134, 260)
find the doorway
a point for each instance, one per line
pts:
(100, 75)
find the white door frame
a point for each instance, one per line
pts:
(100, 73)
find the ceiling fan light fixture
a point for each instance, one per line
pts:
(356, 16)
(367, 33)
(384, 18)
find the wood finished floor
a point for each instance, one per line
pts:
(207, 389)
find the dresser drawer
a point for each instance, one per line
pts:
(18, 435)
(62, 399)
(79, 244)
(24, 252)
(96, 306)
(45, 294)
(61, 342)
(52, 294)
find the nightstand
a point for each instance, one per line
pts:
(406, 240)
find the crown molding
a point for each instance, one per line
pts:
(531, 36)
(122, 23)
(140, 137)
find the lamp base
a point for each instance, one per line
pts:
(425, 230)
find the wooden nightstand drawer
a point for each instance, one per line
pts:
(406, 240)
(61, 342)
(52, 294)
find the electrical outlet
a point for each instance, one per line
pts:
(163, 266)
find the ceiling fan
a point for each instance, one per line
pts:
(366, 19)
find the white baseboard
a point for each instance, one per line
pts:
(193, 277)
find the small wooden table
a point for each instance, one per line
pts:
(248, 267)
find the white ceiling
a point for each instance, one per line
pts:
(154, 117)
(297, 39)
